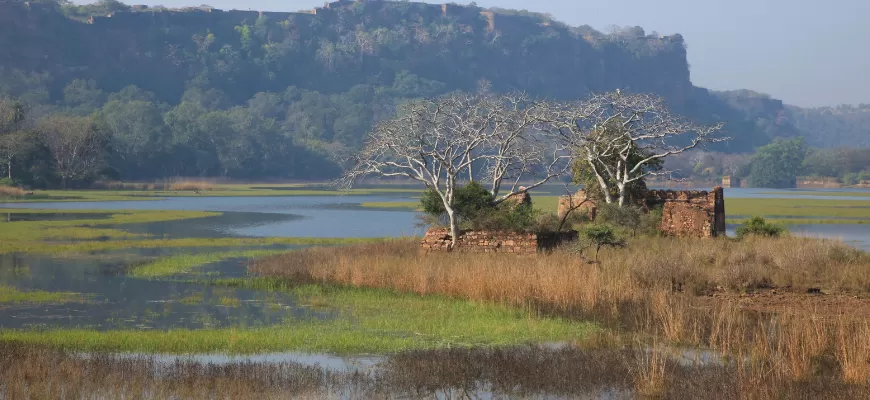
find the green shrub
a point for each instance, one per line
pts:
(6, 182)
(631, 219)
(599, 236)
(651, 222)
(757, 226)
(851, 178)
(469, 201)
(506, 217)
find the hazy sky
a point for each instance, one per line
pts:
(805, 52)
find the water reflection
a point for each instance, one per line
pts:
(296, 216)
(119, 301)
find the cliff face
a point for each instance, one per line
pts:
(346, 43)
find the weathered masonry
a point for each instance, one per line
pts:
(685, 213)
(496, 241)
(691, 213)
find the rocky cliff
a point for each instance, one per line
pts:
(347, 43)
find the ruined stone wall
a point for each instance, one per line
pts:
(496, 241)
(685, 213)
(579, 202)
(691, 213)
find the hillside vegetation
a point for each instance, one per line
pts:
(246, 94)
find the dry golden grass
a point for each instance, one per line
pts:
(177, 184)
(191, 185)
(9, 191)
(657, 287)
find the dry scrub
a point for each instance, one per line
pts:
(11, 192)
(178, 184)
(682, 290)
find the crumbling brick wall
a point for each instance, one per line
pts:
(688, 213)
(579, 203)
(438, 239)
(691, 213)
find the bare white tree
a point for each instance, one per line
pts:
(12, 139)
(443, 140)
(76, 146)
(623, 138)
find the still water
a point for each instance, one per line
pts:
(121, 301)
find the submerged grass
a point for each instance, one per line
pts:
(366, 321)
(810, 208)
(12, 295)
(89, 235)
(186, 263)
(131, 192)
(864, 193)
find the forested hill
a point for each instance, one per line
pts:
(202, 91)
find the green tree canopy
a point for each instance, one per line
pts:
(777, 164)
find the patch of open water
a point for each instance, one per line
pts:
(16, 217)
(121, 302)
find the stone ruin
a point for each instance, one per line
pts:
(691, 213)
(731, 182)
(685, 213)
(577, 203)
(439, 240)
(487, 241)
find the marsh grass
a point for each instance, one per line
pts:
(12, 295)
(90, 235)
(455, 373)
(11, 192)
(186, 263)
(771, 208)
(122, 191)
(197, 185)
(656, 288)
(362, 321)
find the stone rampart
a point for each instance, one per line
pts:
(439, 240)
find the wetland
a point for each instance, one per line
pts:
(324, 295)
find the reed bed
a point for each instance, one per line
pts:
(177, 184)
(684, 291)
(28, 372)
(11, 192)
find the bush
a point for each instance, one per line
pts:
(850, 179)
(599, 236)
(469, 201)
(505, 217)
(757, 226)
(631, 218)
(6, 182)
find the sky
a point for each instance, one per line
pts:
(806, 52)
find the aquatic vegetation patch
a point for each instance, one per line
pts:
(366, 321)
(812, 208)
(56, 248)
(90, 235)
(186, 263)
(12, 295)
(195, 190)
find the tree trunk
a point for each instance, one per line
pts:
(454, 229)
(10, 168)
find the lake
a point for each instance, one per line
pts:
(122, 301)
